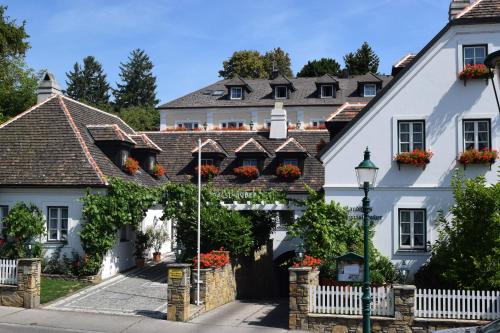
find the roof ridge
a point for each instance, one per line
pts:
(80, 139)
(467, 9)
(27, 111)
(287, 142)
(244, 144)
(403, 59)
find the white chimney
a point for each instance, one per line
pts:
(47, 87)
(456, 7)
(279, 126)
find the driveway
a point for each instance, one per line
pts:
(141, 293)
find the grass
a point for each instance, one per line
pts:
(55, 288)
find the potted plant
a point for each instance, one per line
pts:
(208, 171)
(474, 72)
(131, 166)
(142, 244)
(247, 172)
(158, 170)
(157, 237)
(475, 156)
(416, 157)
(288, 172)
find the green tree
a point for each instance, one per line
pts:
(138, 87)
(88, 84)
(141, 118)
(245, 63)
(279, 60)
(364, 60)
(320, 67)
(13, 37)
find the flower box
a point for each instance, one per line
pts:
(475, 72)
(288, 172)
(158, 170)
(131, 166)
(246, 172)
(474, 156)
(208, 171)
(320, 127)
(416, 157)
(212, 259)
(308, 261)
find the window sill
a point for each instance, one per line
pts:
(50, 243)
(417, 252)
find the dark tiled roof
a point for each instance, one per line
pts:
(209, 146)
(180, 163)
(109, 133)
(262, 94)
(143, 142)
(281, 79)
(402, 63)
(346, 112)
(251, 146)
(481, 9)
(369, 78)
(290, 146)
(326, 79)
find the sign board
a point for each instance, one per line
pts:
(175, 273)
(350, 267)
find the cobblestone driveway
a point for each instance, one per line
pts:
(142, 293)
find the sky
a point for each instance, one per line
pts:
(188, 40)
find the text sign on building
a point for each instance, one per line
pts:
(175, 273)
(357, 213)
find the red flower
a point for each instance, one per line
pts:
(208, 171)
(478, 71)
(131, 165)
(247, 172)
(158, 170)
(288, 172)
(308, 261)
(213, 259)
(474, 156)
(416, 157)
(319, 127)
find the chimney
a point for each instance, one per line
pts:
(47, 87)
(456, 7)
(279, 126)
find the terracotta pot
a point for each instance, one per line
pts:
(157, 256)
(139, 262)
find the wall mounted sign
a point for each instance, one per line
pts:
(357, 213)
(175, 273)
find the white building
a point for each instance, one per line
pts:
(426, 106)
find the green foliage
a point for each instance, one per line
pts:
(139, 83)
(467, 253)
(13, 37)
(158, 235)
(24, 224)
(141, 118)
(88, 84)
(143, 243)
(279, 60)
(252, 64)
(362, 61)
(320, 67)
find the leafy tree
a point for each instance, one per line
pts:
(139, 83)
(141, 118)
(364, 60)
(88, 84)
(320, 67)
(279, 60)
(245, 63)
(13, 37)
(467, 253)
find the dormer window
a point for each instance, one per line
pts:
(236, 93)
(327, 91)
(291, 161)
(369, 90)
(249, 162)
(280, 92)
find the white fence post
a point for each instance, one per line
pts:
(8, 271)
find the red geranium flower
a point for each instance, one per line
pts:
(416, 157)
(158, 170)
(478, 71)
(131, 165)
(474, 156)
(247, 172)
(288, 172)
(208, 171)
(308, 261)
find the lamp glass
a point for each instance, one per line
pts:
(366, 175)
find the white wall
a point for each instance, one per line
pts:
(430, 91)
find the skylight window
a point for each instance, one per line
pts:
(217, 92)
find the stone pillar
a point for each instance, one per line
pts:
(178, 291)
(28, 281)
(404, 305)
(300, 279)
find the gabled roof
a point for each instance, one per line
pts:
(290, 146)
(251, 146)
(209, 146)
(281, 80)
(481, 9)
(326, 79)
(143, 142)
(238, 81)
(402, 63)
(369, 78)
(108, 132)
(346, 112)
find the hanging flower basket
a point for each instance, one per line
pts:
(416, 157)
(131, 166)
(474, 156)
(475, 72)
(288, 172)
(308, 261)
(246, 172)
(158, 171)
(208, 171)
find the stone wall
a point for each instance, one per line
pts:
(179, 282)
(27, 291)
(300, 279)
(217, 287)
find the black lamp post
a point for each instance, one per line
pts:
(491, 61)
(366, 173)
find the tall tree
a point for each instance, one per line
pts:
(139, 83)
(364, 60)
(141, 118)
(279, 60)
(12, 37)
(88, 84)
(245, 63)
(320, 67)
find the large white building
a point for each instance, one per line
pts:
(426, 106)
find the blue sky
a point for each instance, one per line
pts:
(187, 40)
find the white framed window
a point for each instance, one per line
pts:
(412, 229)
(326, 91)
(207, 161)
(369, 90)
(236, 93)
(280, 92)
(4, 210)
(188, 125)
(57, 223)
(411, 135)
(476, 134)
(249, 162)
(232, 124)
(292, 161)
(474, 54)
(317, 123)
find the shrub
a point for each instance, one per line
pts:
(208, 171)
(474, 156)
(478, 71)
(416, 157)
(131, 165)
(158, 235)
(158, 170)
(288, 172)
(247, 172)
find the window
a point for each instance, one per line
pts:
(476, 134)
(412, 228)
(369, 90)
(326, 91)
(58, 223)
(474, 54)
(318, 123)
(249, 162)
(280, 92)
(4, 210)
(232, 124)
(411, 135)
(292, 161)
(207, 161)
(189, 125)
(236, 93)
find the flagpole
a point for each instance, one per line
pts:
(199, 228)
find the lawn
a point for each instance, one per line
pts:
(55, 288)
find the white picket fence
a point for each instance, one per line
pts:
(457, 304)
(347, 300)
(8, 271)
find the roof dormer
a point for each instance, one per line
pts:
(210, 150)
(113, 142)
(237, 88)
(327, 86)
(282, 87)
(145, 151)
(369, 85)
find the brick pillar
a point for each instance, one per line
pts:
(28, 281)
(300, 279)
(178, 291)
(404, 305)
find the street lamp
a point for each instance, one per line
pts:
(299, 252)
(366, 173)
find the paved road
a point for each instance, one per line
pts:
(141, 293)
